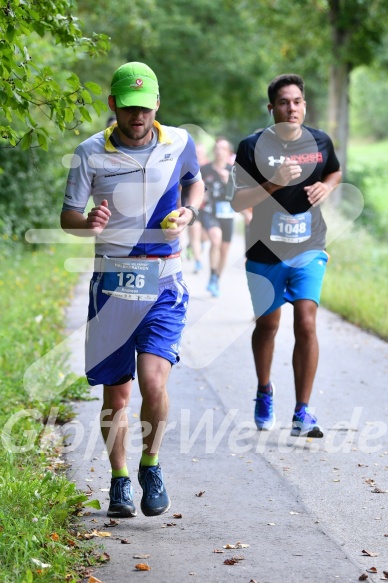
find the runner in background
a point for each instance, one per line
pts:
(284, 173)
(216, 213)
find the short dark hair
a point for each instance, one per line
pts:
(282, 81)
(224, 139)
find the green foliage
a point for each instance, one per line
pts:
(209, 57)
(35, 542)
(32, 185)
(360, 254)
(38, 503)
(369, 115)
(356, 279)
(34, 94)
(359, 27)
(368, 171)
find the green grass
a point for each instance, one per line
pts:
(368, 170)
(38, 503)
(355, 284)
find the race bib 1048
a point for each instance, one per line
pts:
(291, 228)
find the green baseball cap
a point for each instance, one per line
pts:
(135, 84)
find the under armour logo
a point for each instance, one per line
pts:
(273, 161)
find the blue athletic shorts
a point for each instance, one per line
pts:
(118, 328)
(299, 279)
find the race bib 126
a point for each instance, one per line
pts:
(131, 279)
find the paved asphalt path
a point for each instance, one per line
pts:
(304, 510)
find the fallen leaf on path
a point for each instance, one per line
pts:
(372, 570)
(104, 558)
(142, 567)
(94, 580)
(111, 523)
(369, 553)
(141, 556)
(218, 551)
(230, 562)
(177, 515)
(271, 524)
(94, 533)
(125, 541)
(379, 491)
(363, 577)
(200, 493)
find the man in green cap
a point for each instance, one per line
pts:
(134, 171)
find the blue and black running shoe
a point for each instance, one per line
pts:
(155, 499)
(305, 424)
(265, 417)
(121, 501)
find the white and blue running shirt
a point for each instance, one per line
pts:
(140, 184)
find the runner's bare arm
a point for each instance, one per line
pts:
(76, 223)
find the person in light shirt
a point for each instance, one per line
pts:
(134, 170)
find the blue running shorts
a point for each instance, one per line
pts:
(118, 328)
(299, 279)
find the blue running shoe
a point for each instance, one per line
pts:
(121, 501)
(265, 417)
(305, 424)
(155, 499)
(197, 266)
(213, 286)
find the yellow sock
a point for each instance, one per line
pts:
(123, 473)
(149, 460)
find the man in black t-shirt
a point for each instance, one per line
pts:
(216, 213)
(284, 173)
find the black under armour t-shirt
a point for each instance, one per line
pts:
(284, 224)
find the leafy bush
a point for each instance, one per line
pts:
(369, 177)
(31, 192)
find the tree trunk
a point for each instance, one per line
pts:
(339, 109)
(339, 82)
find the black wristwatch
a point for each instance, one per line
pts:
(195, 215)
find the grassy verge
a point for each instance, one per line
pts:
(355, 284)
(38, 503)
